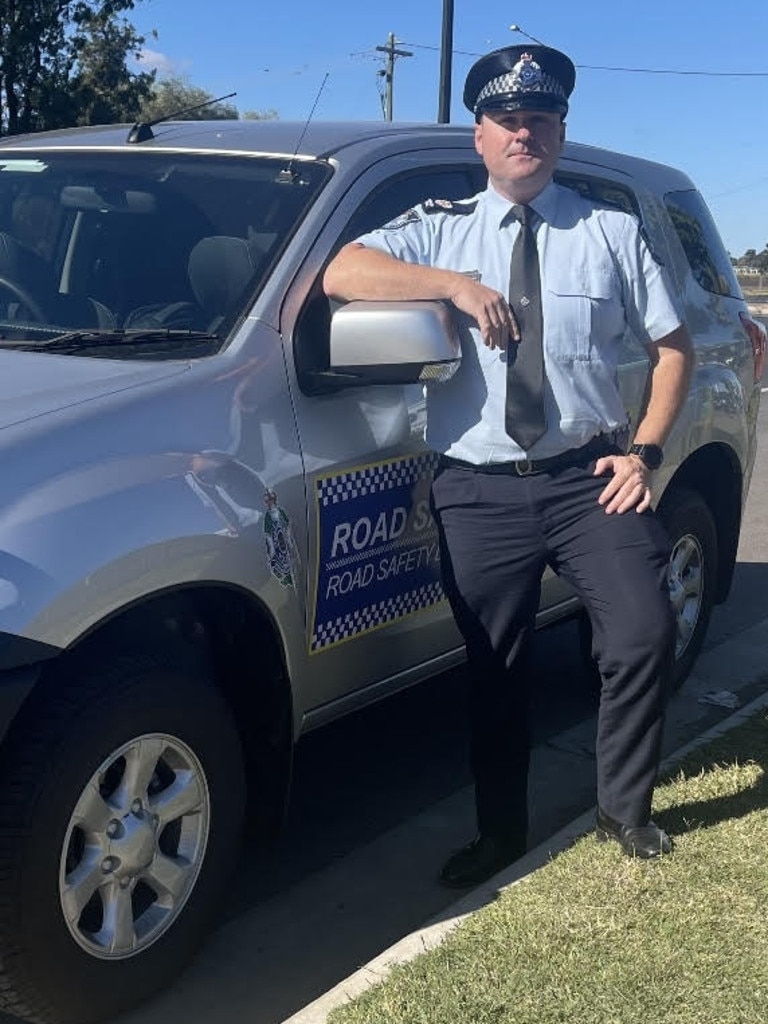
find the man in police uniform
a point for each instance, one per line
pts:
(537, 480)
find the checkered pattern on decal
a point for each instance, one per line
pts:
(364, 619)
(511, 84)
(370, 479)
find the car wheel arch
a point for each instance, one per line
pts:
(234, 635)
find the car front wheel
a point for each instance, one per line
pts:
(120, 811)
(691, 573)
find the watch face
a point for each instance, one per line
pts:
(651, 454)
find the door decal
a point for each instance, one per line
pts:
(378, 556)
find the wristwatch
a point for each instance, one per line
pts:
(651, 454)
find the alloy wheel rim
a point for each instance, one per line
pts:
(685, 579)
(134, 846)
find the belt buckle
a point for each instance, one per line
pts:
(523, 467)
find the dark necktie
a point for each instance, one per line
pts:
(525, 422)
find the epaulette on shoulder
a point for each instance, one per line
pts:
(449, 205)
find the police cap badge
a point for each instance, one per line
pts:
(520, 78)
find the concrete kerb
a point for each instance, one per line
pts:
(439, 927)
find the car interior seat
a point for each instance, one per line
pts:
(221, 268)
(29, 292)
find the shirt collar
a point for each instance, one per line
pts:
(544, 203)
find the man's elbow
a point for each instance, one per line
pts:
(331, 282)
(337, 274)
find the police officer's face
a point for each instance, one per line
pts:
(520, 149)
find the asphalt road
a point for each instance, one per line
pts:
(378, 800)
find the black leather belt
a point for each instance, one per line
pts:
(603, 444)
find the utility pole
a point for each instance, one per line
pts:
(389, 72)
(446, 60)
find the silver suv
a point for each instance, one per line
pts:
(214, 519)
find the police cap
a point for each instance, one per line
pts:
(520, 78)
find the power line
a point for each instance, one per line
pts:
(600, 67)
(340, 64)
(739, 188)
(673, 71)
(423, 46)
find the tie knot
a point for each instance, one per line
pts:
(523, 214)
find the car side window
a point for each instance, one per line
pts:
(704, 250)
(387, 201)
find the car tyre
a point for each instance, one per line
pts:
(691, 573)
(120, 813)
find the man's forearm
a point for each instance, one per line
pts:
(360, 273)
(369, 274)
(670, 379)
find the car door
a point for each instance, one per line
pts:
(376, 612)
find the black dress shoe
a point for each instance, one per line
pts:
(644, 841)
(479, 860)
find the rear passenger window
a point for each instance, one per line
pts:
(599, 190)
(709, 262)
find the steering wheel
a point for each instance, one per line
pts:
(25, 299)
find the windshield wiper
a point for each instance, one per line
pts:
(73, 341)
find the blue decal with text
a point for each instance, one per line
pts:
(378, 549)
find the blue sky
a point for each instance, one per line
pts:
(714, 126)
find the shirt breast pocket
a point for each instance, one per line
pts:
(582, 311)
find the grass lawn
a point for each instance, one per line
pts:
(596, 938)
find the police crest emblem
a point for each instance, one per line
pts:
(279, 541)
(526, 74)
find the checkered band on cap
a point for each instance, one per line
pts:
(512, 85)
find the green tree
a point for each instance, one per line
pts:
(173, 94)
(259, 115)
(104, 90)
(50, 62)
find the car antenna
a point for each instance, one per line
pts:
(288, 175)
(142, 130)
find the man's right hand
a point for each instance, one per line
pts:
(490, 309)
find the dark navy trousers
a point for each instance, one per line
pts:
(498, 532)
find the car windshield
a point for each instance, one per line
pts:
(141, 246)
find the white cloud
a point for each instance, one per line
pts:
(152, 60)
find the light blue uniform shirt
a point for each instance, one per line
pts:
(598, 282)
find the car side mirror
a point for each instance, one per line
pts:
(391, 343)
